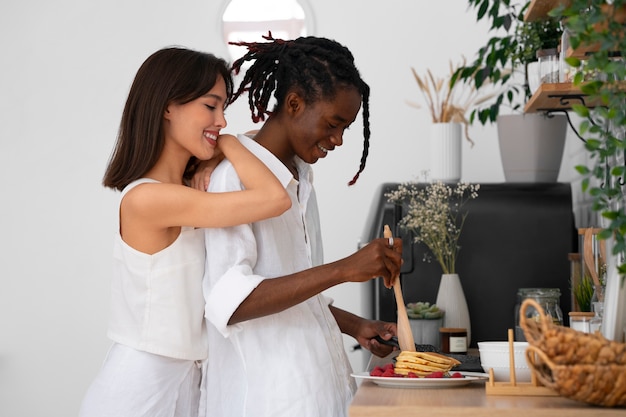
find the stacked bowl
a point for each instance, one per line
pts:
(495, 355)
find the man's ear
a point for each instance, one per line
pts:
(294, 103)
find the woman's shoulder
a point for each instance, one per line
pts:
(137, 182)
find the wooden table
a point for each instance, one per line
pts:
(470, 400)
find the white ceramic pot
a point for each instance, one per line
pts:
(531, 146)
(445, 152)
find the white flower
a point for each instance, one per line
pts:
(434, 216)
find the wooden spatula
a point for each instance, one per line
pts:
(405, 335)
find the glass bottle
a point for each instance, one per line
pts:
(548, 66)
(547, 298)
(566, 72)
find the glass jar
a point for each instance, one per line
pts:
(453, 340)
(581, 321)
(548, 65)
(547, 298)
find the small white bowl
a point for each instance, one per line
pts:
(495, 355)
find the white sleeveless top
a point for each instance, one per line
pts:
(156, 300)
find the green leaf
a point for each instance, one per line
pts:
(572, 61)
(582, 169)
(581, 110)
(592, 87)
(604, 234)
(482, 10)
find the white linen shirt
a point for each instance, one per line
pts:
(291, 363)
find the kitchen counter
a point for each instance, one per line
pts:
(470, 400)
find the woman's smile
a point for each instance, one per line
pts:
(211, 136)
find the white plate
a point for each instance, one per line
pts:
(396, 382)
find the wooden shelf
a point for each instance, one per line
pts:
(558, 96)
(561, 96)
(539, 9)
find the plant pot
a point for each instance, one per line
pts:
(426, 331)
(531, 146)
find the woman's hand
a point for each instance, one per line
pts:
(204, 169)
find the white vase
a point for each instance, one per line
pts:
(445, 152)
(451, 299)
(533, 76)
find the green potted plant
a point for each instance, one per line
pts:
(531, 145)
(425, 319)
(598, 25)
(538, 37)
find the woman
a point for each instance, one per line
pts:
(173, 116)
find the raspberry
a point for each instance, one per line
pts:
(456, 375)
(412, 375)
(437, 374)
(376, 371)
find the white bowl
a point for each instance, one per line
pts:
(495, 355)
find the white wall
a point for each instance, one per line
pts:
(65, 70)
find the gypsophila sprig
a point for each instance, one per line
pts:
(435, 216)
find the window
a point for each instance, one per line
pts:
(248, 20)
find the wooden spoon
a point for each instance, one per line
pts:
(405, 335)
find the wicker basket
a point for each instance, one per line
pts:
(577, 365)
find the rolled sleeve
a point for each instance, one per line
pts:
(229, 276)
(231, 257)
(227, 294)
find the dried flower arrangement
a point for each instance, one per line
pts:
(435, 217)
(449, 103)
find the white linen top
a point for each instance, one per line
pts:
(156, 300)
(291, 363)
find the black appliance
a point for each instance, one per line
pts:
(516, 235)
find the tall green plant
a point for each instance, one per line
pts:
(514, 45)
(594, 22)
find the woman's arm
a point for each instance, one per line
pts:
(170, 205)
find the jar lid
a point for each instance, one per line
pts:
(452, 330)
(539, 292)
(582, 314)
(546, 52)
